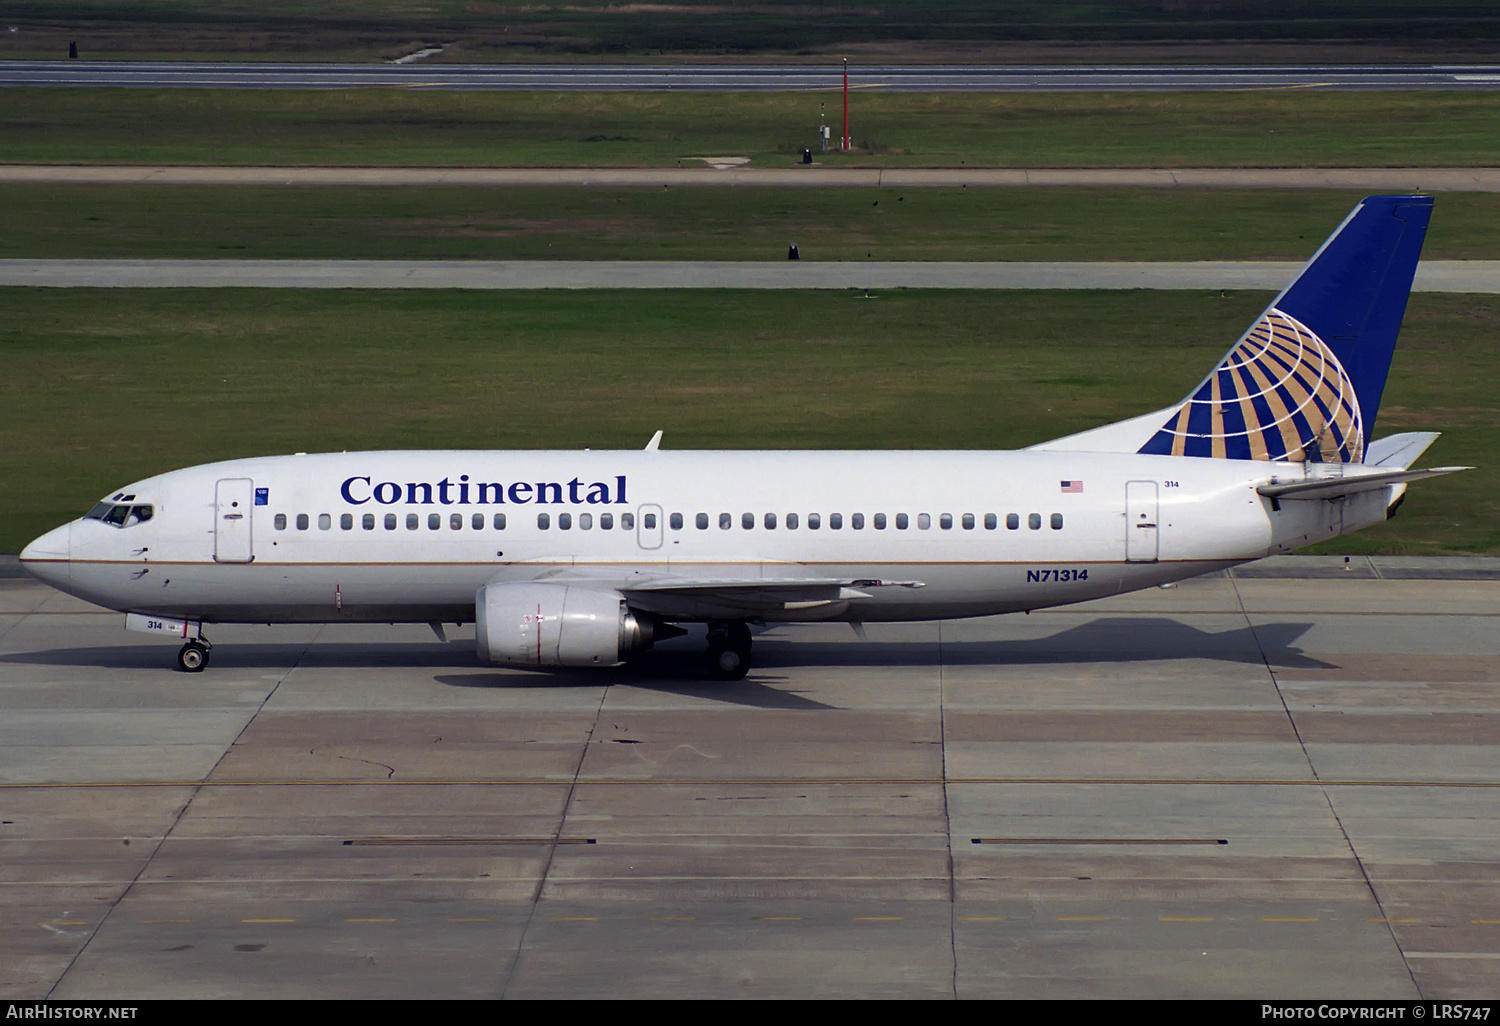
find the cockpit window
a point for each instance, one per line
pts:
(120, 514)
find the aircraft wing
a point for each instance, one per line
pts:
(731, 598)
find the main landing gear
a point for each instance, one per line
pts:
(728, 655)
(193, 657)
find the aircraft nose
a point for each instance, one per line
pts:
(47, 557)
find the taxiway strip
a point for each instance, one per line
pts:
(742, 77)
(1462, 276)
(721, 172)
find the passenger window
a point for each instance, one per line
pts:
(434, 521)
(946, 521)
(412, 522)
(747, 521)
(675, 520)
(1057, 521)
(770, 521)
(814, 521)
(301, 521)
(725, 521)
(324, 521)
(346, 522)
(565, 521)
(585, 521)
(368, 522)
(702, 521)
(835, 521)
(627, 521)
(924, 521)
(606, 521)
(390, 521)
(857, 521)
(901, 521)
(280, 521)
(990, 522)
(543, 521)
(791, 521)
(880, 521)
(968, 521)
(455, 522)
(1012, 521)
(1034, 521)
(648, 521)
(477, 521)
(499, 521)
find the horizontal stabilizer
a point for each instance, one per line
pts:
(1397, 452)
(1335, 487)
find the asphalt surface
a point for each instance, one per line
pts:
(1464, 276)
(741, 78)
(1236, 787)
(721, 172)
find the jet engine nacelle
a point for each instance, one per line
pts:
(526, 624)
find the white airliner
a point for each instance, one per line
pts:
(566, 558)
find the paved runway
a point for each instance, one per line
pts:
(1465, 276)
(1238, 787)
(705, 172)
(743, 77)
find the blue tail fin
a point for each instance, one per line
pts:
(1304, 383)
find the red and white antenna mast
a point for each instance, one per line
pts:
(846, 105)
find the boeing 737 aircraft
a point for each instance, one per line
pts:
(578, 558)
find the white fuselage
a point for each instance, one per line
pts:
(410, 536)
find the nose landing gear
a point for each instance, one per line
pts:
(193, 657)
(728, 654)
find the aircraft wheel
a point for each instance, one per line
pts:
(192, 657)
(725, 663)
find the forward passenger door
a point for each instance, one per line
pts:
(233, 541)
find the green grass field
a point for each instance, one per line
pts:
(106, 386)
(51, 221)
(391, 127)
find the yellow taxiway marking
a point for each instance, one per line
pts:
(575, 919)
(64, 922)
(1378, 919)
(1484, 922)
(268, 920)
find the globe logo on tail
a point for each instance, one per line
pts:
(1280, 394)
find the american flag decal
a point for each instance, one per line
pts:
(1073, 487)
